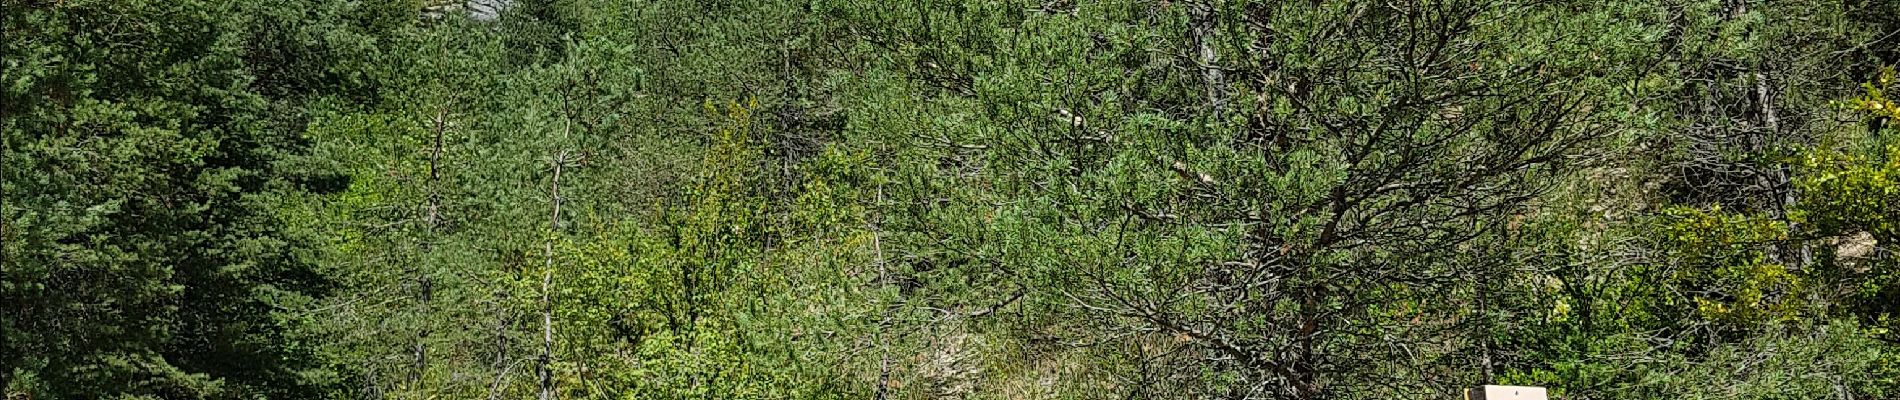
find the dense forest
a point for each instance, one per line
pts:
(932, 199)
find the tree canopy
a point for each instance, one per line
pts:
(981, 199)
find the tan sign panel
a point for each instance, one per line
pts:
(1494, 392)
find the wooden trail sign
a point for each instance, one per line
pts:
(1494, 392)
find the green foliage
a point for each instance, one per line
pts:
(1719, 258)
(922, 199)
(145, 150)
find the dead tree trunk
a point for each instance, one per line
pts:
(544, 364)
(1201, 32)
(432, 220)
(883, 282)
(1783, 189)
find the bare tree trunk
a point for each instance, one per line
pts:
(883, 282)
(1802, 254)
(1201, 31)
(432, 220)
(502, 320)
(543, 365)
(1200, 35)
(547, 286)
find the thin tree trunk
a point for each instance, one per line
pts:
(883, 281)
(544, 364)
(547, 286)
(1201, 32)
(1213, 80)
(432, 220)
(502, 320)
(1780, 184)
